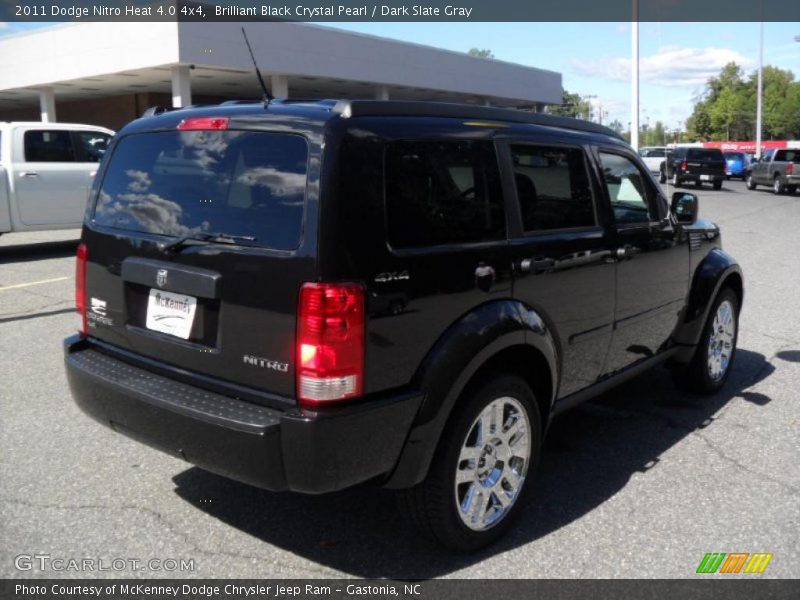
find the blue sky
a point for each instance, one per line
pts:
(675, 58)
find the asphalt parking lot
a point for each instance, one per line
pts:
(641, 482)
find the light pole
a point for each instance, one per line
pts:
(759, 92)
(635, 75)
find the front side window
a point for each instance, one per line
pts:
(190, 183)
(91, 145)
(442, 193)
(48, 146)
(552, 187)
(631, 197)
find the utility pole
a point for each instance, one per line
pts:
(635, 76)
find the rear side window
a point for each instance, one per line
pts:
(552, 187)
(792, 156)
(184, 183)
(704, 154)
(91, 145)
(442, 193)
(48, 146)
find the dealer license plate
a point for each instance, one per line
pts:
(171, 313)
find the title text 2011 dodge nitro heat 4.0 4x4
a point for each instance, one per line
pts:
(306, 296)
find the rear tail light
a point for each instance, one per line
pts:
(330, 342)
(683, 166)
(790, 168)
(80, 285)
(204, 123)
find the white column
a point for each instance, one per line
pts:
(181, 86)
(47, 104)
(381, 92)
(279, 86)
(635, 76)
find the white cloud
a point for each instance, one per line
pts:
(671, 66)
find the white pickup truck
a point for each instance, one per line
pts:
(46, 170)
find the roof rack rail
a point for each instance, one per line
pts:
(238, 102)
(410, 108)
(152, 111)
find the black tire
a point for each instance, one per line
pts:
(777, 186)
(696, 375)
(432, 505)
(662, 175)
(751, 183)
(718, 185)
(698, 183)
(676, 181)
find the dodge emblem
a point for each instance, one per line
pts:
(161, 277)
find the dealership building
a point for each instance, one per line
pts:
(109, 73)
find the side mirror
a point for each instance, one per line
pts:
(685, 207)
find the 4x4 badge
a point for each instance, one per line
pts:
(161, 277)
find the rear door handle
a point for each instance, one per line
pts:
(28, 174)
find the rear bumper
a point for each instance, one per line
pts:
(294, 449)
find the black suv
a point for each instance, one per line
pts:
(698, 165)
(306, 296)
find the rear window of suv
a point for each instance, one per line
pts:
(704, 154)
(184, 183)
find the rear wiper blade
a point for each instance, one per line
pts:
(214, 238)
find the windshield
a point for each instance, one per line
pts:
(185, 183)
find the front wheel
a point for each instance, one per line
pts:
(713, 359)
(751, 183)
(480, 473)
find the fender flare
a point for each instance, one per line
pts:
(713, 272)
(455, 358)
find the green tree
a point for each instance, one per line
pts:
(698, 125)
(572, 105)
(726, 109)
(481, 52)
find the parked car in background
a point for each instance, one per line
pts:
(408, 292)
(653, 157)
(778, 168)
(698, 165)
(736, 164)
(46, 170)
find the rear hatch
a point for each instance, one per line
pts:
(194, 254)
(705, 161)
(734, 162)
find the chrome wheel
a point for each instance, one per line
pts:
(492, 464)
(720, 344)
(777, 186)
